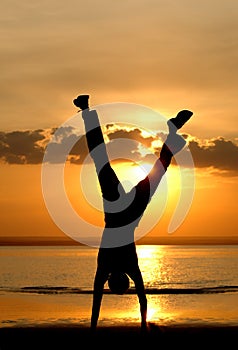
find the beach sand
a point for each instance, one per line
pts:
(113, 337)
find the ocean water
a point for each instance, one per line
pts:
(53, 285)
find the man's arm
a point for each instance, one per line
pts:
(136, 276)
(99, 281)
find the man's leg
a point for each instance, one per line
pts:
(173, 144)
(108, 180)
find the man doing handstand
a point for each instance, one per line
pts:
(123, 210)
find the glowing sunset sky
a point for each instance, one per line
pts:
(166, 55)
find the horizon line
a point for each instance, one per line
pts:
(163, 240)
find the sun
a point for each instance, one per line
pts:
(130, 172)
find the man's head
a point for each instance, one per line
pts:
(118, 282)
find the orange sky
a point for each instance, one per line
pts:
(164, 55)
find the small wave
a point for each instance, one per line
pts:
(203, 290)
(76, 290)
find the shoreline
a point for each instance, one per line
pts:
(61, 336)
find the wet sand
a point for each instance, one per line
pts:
(114, 337)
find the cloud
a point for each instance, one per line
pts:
(218, 153)
(132, 134)
(21, 147)
(29, 147)
(56, 151)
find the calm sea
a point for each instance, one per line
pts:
(184, 284)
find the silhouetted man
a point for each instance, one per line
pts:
(123, 210)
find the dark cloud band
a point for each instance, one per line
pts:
(28, 147)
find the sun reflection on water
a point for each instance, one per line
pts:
(156, 274)
(151, 312)
(153, 265)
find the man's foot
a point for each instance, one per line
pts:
(176, 123)
(81, 101)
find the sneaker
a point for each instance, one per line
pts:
(81, 101)
(182, 117)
